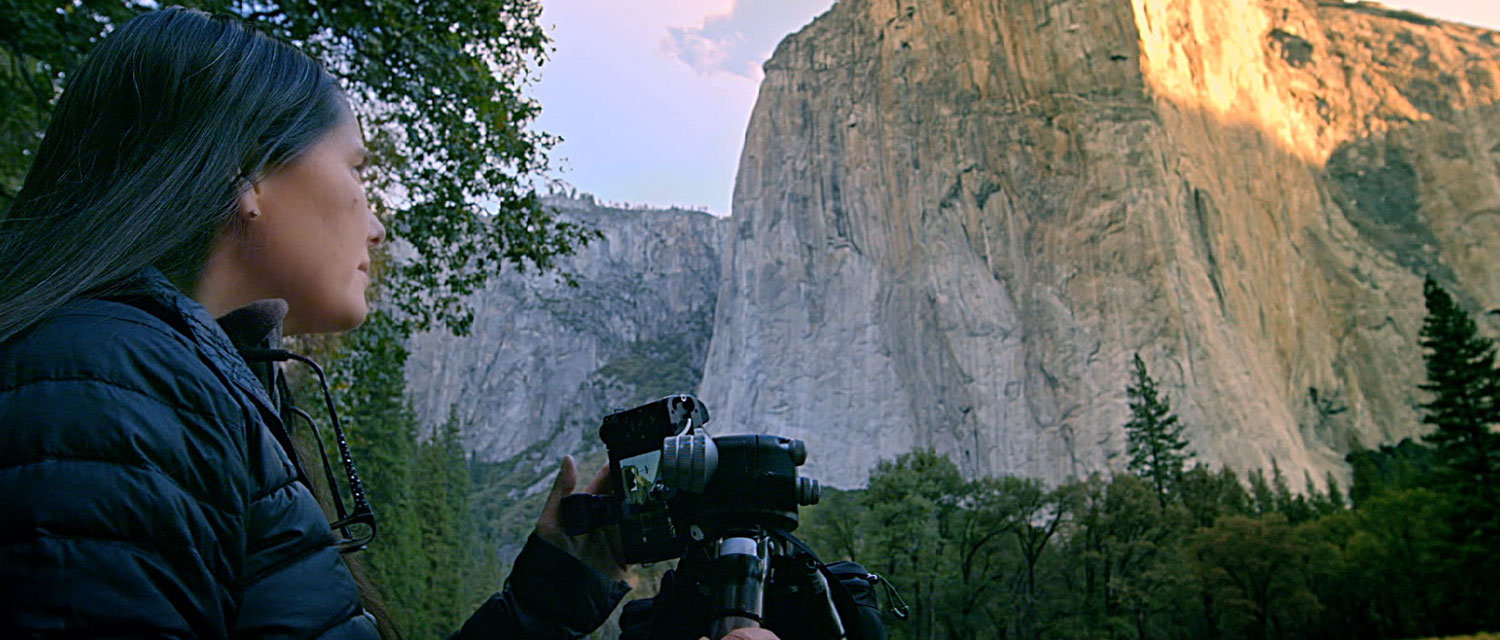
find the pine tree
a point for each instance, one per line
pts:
(1157, 448)
(1262, 496)
(1335, 498)
(1465, 388)
(441, 503)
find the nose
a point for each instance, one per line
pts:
(377, 230)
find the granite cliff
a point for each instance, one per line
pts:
(546, 361)
(955, 220)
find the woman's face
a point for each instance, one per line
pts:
(311, 243)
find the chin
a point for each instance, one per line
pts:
(347, 325)
(330, 321)
(352, 320)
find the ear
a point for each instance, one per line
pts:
(250, 203)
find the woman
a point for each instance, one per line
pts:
(194, 167)
(196, 196)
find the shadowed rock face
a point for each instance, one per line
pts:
(955, 220)
(546, 361)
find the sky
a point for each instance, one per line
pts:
(651, 97)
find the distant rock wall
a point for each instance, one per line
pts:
(546, 361)
(955, 220)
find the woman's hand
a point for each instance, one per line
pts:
(749, 634)
(598, 549)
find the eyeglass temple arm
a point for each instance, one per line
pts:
(333, 487)
(356, 487)
(362, 513)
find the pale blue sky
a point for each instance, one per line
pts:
(652, 96)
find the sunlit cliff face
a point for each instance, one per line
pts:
(1307, 77)
(1391, 114)
(1390, 120)
(1226, 76)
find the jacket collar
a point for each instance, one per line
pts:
(257, 325)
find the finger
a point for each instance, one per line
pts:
(750, 633)
(600, 483)
(567, 477)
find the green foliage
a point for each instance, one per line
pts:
(910, 503)
(1262, 496)
(1209, 496)
(440, 504)
(1122, 550)
(970, 557)
(39, 43)
(1465, 389)
(1328, 502)
(1278, 497)
(439, 87)
(1398, 543)
(1155, 443)
(1105, 558)
(1464, 409)
(657, 368)
(836, 523)
(1404, 465)
(1255, 571)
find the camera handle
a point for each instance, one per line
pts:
(739, 582)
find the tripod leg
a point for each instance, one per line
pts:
(739, 583)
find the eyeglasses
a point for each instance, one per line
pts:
(362, 518)
(357, 526)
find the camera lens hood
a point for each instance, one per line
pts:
(688, 461)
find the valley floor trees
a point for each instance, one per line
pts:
(1168, 552)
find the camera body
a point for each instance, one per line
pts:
(675, 485)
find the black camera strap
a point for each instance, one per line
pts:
(840, 589)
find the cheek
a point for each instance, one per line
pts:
(307, 254)
(334, 230)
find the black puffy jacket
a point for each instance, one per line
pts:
(144, 493)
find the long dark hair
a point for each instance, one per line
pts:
(152, 143)
(154, 140)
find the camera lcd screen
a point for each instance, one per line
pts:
(637, 474)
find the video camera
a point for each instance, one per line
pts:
(726, 506)
(674, 485)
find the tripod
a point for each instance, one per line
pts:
(752, 576)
